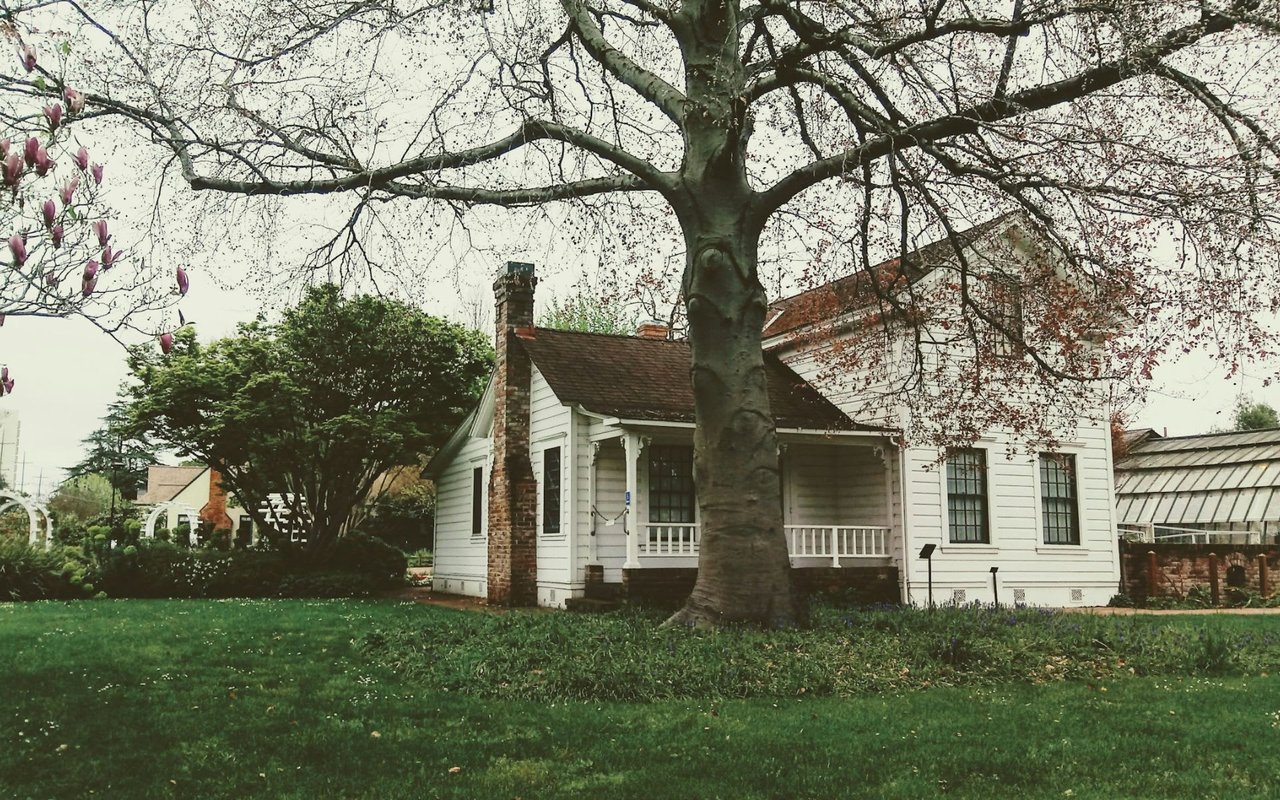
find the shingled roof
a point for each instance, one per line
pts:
(648, 379)
(828, 302)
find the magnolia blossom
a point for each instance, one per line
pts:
(100, 230)
(69, 190)
(43, 162)
(13, 170)
(49, 210)
(51, 278)
(184, 282)
(18, 247)
(96, 171)
(82, 158)
(109, 257)
(53, 113)
(87, 287)
(29, 151)
(27, 55)
(75, 101)
(5, 144)
(91, 270)
(57, 233)
(7, 383)
(166, 342)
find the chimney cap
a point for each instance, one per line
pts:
(521, 268)
(653, 329)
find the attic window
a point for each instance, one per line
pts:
(1006, 314)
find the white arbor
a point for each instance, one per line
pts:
(36, 513)
(191, 515)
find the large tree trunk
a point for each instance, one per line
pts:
(743, 571)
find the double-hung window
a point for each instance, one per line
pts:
(477, 501)
(967, 517)
(1059, 503)
(551, 490)
(1006, 313)
(671, 495)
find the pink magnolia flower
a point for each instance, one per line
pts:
(27, 55)
(87, 287)
(75, 100)
(184, 282)
(69, 190)
(57, 233)
(4, 373)
(49, 210)
(91, 271)
(109, 258)
(53, 113)
(8, 385)
(51, 278)
(18, 247)
(82, 159)
(100, 230)
(166, 343)
(43, 162)
(5, 144)
(30, 149)
(96, 171)
(13, 170)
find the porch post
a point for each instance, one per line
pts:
(593, 544)
(632, 444)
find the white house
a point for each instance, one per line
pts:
(574, 477)
(191, 495)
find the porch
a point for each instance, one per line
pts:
(839, 500)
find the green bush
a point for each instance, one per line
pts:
(330, 584)
(33, 573)
(366, 555)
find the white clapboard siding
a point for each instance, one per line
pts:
(610, 500)
(549, 428)
(460, 559)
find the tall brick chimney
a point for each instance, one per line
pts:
(513, 495)
(214, 512)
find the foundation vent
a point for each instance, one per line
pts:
(1077, 595)
(957, 596)
(1019, 596)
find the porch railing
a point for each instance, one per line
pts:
(803, 541)
(837, 541)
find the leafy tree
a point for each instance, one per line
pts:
(843, 134)
(119, 452)
(1251, 416)
(315, 407)
(581, 312)
(81, 497)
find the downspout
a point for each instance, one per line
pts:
(571, 451)
(906, 527)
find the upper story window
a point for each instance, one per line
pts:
(671, 495)
(967, 518)
(477, 501)
(1059, 504)
(551, 490)
(1006, 312)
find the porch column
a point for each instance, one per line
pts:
(633, 444)
(593, 545)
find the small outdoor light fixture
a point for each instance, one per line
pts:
(926, 553)
(995, 588)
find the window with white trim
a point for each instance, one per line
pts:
(967, 517)
(477, 501)
(551, 484)
(1059, 501)
(671, 495)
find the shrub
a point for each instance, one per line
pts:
(330, 584)
(365, 555)
(32, 573)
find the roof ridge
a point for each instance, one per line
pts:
(630, 336)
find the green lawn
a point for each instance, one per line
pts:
(285, 699)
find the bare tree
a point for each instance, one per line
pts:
(847, 131)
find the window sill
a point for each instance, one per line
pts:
(552, 537)
(1062, 550)
(479, 538)
(970, 549)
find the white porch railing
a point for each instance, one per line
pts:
(837, 542)
(669, 539)
(803, 541)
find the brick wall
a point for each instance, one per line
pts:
(214, 512)
(1181, 567)
(668, 588)
(513, 494)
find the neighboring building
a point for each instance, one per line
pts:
(574, 476)
(10, 443)
(1194, 488)
(194, 496)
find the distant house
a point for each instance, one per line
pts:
(574, 475)
(1196, 488)
(192, 495)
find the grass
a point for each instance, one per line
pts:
(294, 699)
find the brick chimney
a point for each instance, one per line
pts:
(214, 512)
(653, 329)
(513, 495)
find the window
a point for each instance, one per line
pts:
(1006, 312)
(477, 501)
(967, 497)
(551, 490)
(671, 497)
(1059, 509)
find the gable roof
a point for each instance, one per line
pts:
(1209, 478)
(829, 301)
(635, 378)
(165, 483)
